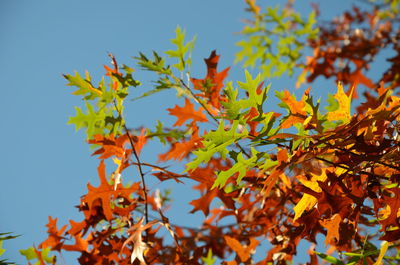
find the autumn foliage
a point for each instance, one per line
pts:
(266, 178)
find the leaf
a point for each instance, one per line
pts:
(241, 167)
(209, 260)
(111, 146)
(217, 141)
(85, 87)
(155, 65)
(141, 140)
(7, 236)
(328, 258)
(41, 255)
(55, 236)
(332, 226)
(187, 112)
(212, 84)
(297, 109)
(106, 193)
(308, 201)
(2, 250)
(181, 49)
(93, 121)
(136, 239)
(204, 202)
(343, 112)
(81, 244)
(392, 199)
(382, 252)
(244, 252)
(182, 149)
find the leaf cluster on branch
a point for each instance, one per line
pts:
(281, 177)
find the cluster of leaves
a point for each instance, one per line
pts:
(275, 39)
(347, 47)
(280, 177)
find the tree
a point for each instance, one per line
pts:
(280, 177)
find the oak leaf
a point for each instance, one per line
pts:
(106, 192)
(343, 112)
(187, 112)
(136, 239)
(212, 84)
(244, 252)
(181, 150)
(55, 238)
(332, 226)
(308, 201)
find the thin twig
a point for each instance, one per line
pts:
(139, 165)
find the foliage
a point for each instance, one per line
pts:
(5, 236)
(281, 177)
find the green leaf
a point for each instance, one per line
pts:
(181, 50)
(217, 142)
(209, 260)
(275, 40)
(85, 87)
(241, 167)
(93, 121)
(333, 104)
(157, 64)
(162, 133)
(7, 236)
(30, 254)
(328, 258)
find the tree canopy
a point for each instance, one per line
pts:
(323, 171)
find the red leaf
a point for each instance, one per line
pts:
(212, 84)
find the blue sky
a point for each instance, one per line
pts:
(45, 164)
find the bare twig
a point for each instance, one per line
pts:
(139, 165)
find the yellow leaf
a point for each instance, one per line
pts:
(382, 252)
(306, 203)
(313, 184)
(343, 112)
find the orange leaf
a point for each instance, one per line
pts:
(244, 252)
(187, 112)
(106, 192)
(55, 235)
(332, 226)
(213, 82)
(81, 244)
(295, 107)
(141, 141)
(110, 146)
(343, 112)
(180, 150)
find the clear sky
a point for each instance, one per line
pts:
(45, 164)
